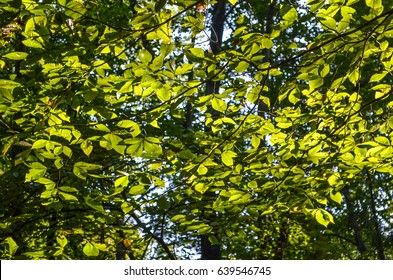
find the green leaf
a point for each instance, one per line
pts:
(242, 66)
(102, 127)
(62, 240)
(202, 169)
(39, 144)
(183, 69)
(75, 9)
(67, 196)
(36, 171)
(201, 188)
(329, 23)
(94, 204)
(227, 157)
(353, 76)
(178, 217)
(198, 52)
(152, 147)
(377, 77)
(16, 55)
(67, 151)
(155, 124)
(159, 5)
(375, 4)
(126, 124)
(59, 163)
(333, 179)
(382, 140)
(236, 196)
(384, 45)
(12, 246)
(323, 217)
(337, 197)
(87, 147)
(137, 190)
(136, 149)
(90, 250)
(68, 189)
(49, 184)
(325, 70)
(163, 94)
(314, 84)
(32, 44)
(120, 149)
(219, 105)
(126, 207)
(255, 141)
(145, 56)
(266, 43)
(122, 181)
(133, 126)
(291, 15)
(213, 240)
(187, 154)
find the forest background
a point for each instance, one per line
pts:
(179, 129)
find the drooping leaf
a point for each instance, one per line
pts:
(336, 197)
(94, 204)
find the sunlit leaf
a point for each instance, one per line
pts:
(90, 250)
(94, 204)
(136, 190)
(16, 55)
(219, 105)
(336, 197)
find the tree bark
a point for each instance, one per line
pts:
(375, 220)
(268, 19)
(211, 251)
(120, 248)
(353, 222)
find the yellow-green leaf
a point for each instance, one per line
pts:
(87, 147)
(126, 207)
(122, 181)
(219, 105)
(337, 197)
(202, 170)
(39, 144)
(242, 66)
(227, 157)
(377, 77)
(325, 70)
(333, 179)
(323, 217)
(291, 15)
(90, 250)
(12, 246)
(255, 141)
(16, 55)
(94, 204)
(136, 190)
(201, 188)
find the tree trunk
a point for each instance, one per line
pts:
(375, 220)
(120, 248)
(268, 20)
(353, 222)
(208, 250)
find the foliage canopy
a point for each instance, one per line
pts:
(133, 129)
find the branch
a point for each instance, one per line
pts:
(155, 237)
